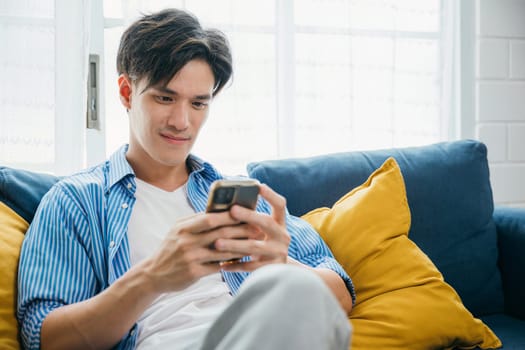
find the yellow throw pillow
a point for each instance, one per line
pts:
(403, 301)
(12, 230)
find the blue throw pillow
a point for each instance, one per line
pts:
(449, 195)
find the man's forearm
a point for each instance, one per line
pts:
(101, 321)
(333, 281)
(338, 287)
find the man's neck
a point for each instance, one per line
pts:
(167, 178)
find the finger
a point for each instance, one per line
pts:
(241, 247)
(236, 232)
(203, 256)
(277, 202)
(216, 257)
(240, 231)
(262, 221)
(193, 243)
(205, 222)
(254, 248)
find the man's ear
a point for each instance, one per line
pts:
(124, 88)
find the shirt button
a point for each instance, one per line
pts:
(111, 244)
(132, 333)
(124, 205)
(129, 186)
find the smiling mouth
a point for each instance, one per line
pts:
(175, 139)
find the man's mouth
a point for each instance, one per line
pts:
(175, 139)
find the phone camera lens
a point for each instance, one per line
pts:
(224, 195)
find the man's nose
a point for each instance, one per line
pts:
(180, 115)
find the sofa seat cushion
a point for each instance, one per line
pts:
(510, 330)
(402, 300)
(450, 199)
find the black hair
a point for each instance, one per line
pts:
(157, 46)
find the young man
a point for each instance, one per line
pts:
(123, 256)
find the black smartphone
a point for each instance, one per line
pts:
(226, 193)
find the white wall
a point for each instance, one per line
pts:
(500, 95)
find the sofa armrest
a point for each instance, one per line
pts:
(510, 224)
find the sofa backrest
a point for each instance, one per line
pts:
(449, 195)
(22, 190)
(448, 192)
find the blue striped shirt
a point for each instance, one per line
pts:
(77, 243)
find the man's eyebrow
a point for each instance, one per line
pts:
(167, 90)
(204, 97)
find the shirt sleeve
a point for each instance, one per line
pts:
(309, 248)
(54, 267)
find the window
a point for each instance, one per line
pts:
(42, 95)
(311, 76)
(27, 92)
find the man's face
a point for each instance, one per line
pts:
(165, 120)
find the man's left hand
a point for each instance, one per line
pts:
(272, 239)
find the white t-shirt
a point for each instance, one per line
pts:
(176, 320)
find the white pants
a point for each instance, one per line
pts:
(281, 307)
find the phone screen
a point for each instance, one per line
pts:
(226, 193)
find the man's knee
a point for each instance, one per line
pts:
(288, 280)
(297, 300)
(290, 303)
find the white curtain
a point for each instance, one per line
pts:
(27, 92)
(43, 69)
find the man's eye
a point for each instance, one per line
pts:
(163, 99)
(199, 105)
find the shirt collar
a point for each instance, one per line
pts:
(118, 168)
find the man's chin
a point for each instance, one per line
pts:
(173, 161)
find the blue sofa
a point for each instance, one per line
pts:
(479, 250)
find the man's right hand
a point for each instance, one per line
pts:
(188, 252)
